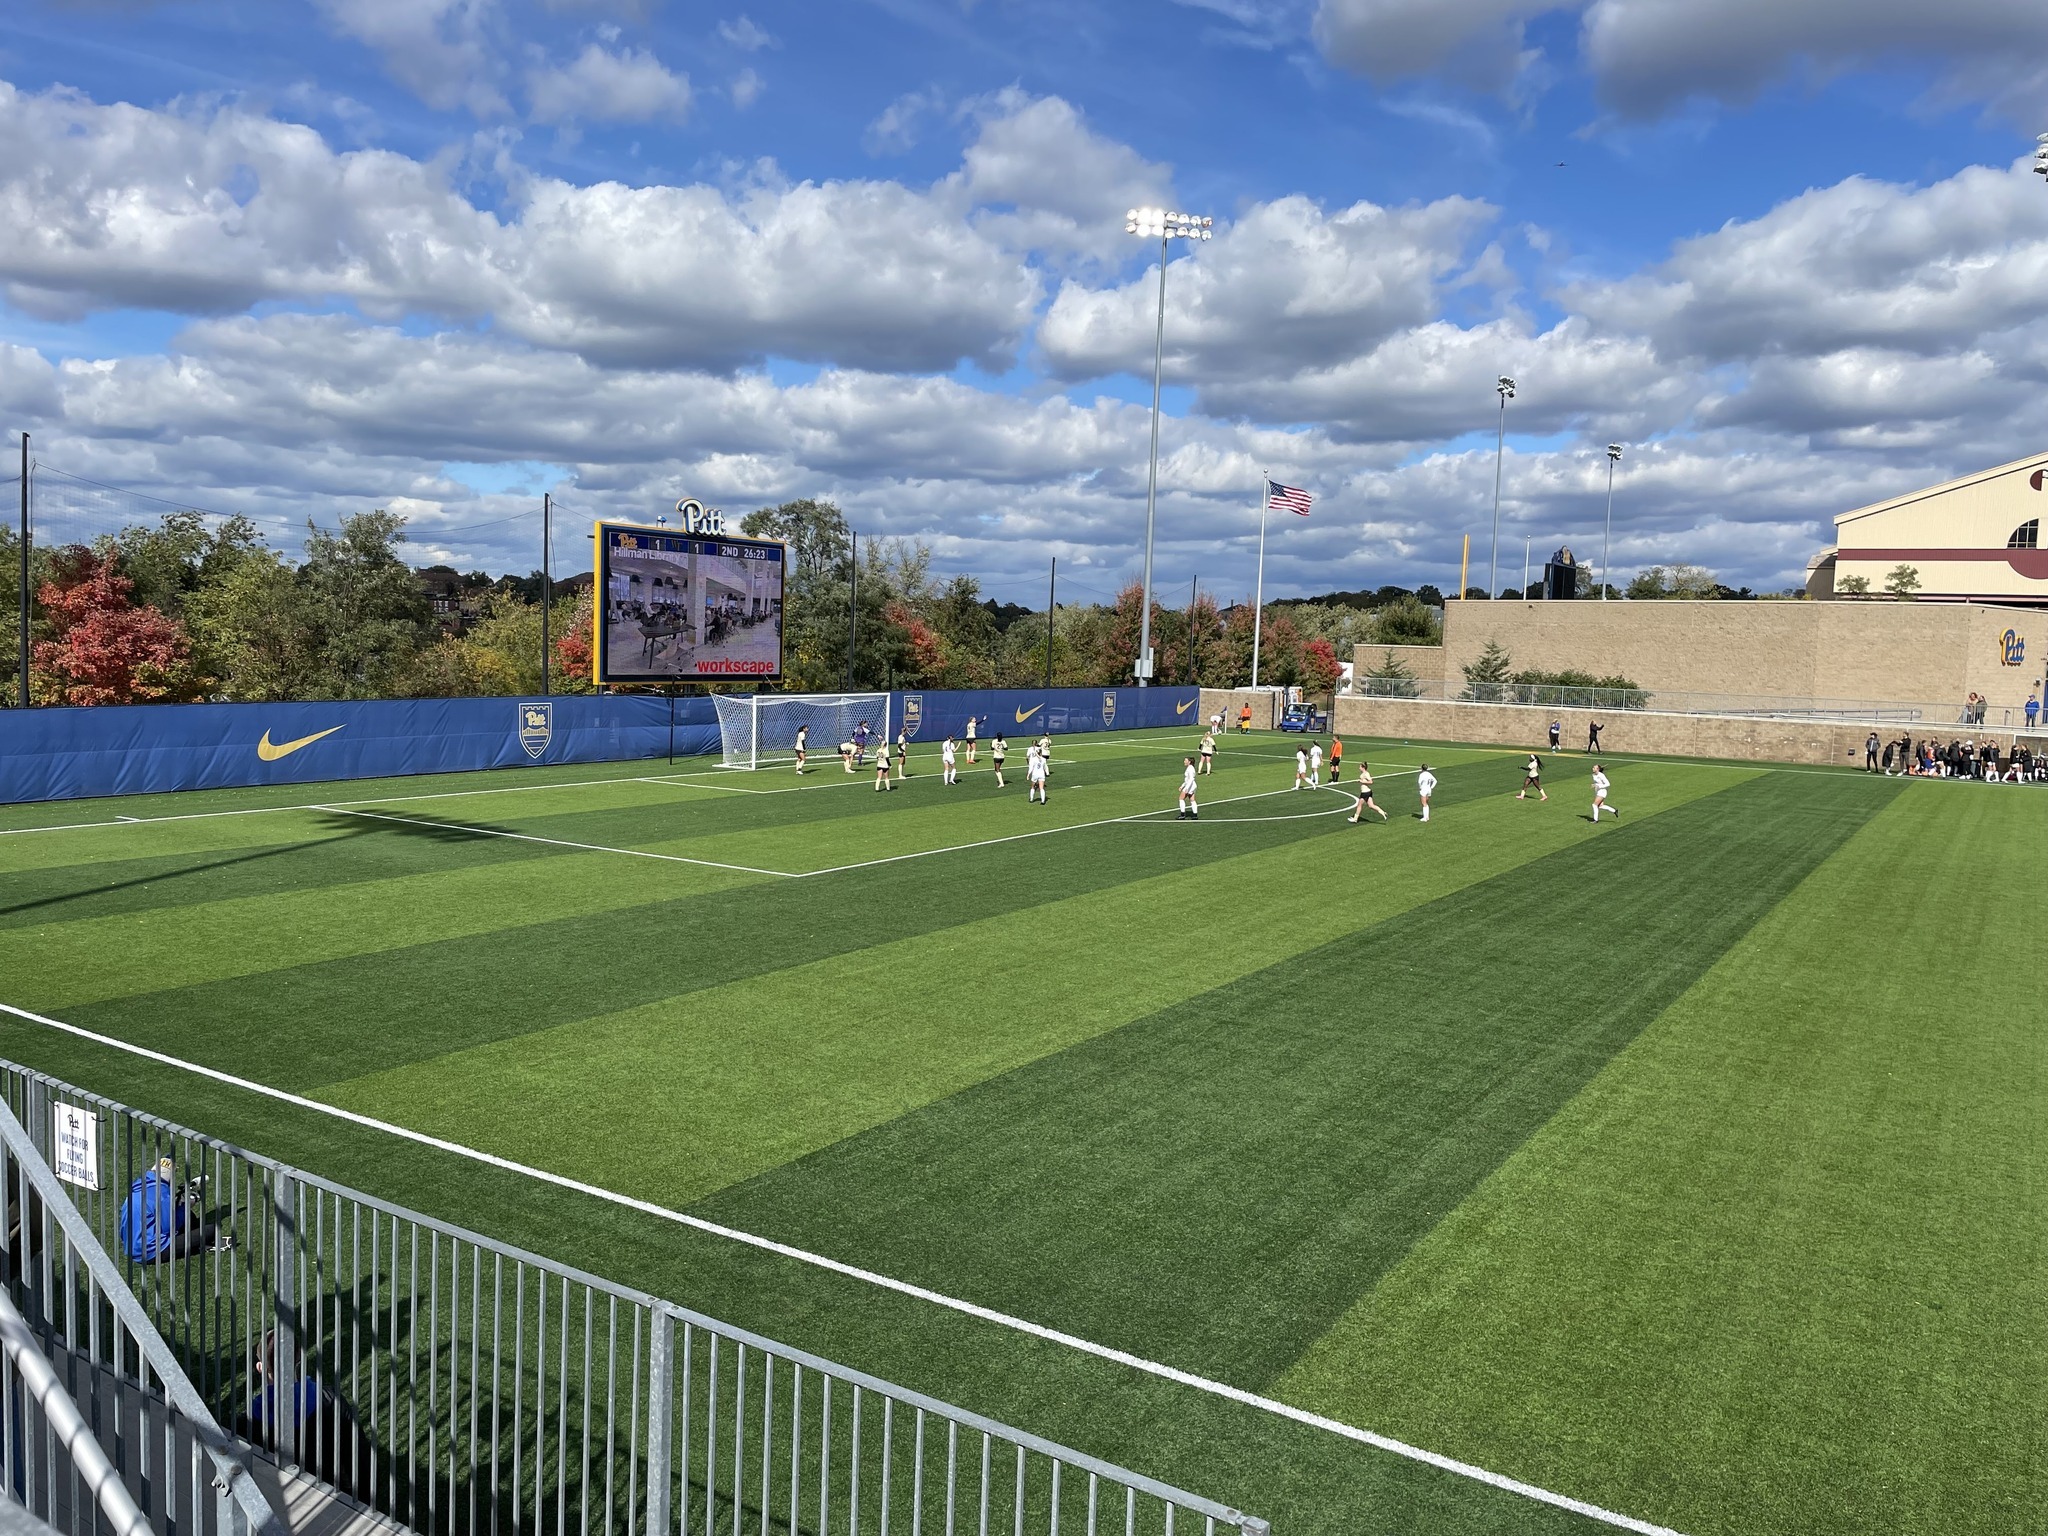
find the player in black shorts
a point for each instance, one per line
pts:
(1365, 800)
(1532, 778)
(998, 749)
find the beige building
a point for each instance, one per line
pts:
(1977, 538)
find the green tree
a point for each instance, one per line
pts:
(1903, 582)
(1855, 586)
(1692, 582)
(1392, 678)
(367, 606)
(253, 629)
(1485, 674)
(1407, 621)
(10, 607)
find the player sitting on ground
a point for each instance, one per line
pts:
(947, 758)
(803, 736)
(1209, 752)
(1600, 786)
(998, 749)
(1532, 778)
(1189, 811)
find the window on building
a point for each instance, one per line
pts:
(2026, 536)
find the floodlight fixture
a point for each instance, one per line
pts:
(1607, 543)
(1505, 388)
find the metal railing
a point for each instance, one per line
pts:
(104, 1430)
(1950, 719)
(461, 1386)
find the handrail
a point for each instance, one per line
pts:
(39, 1379)
(230, 1476)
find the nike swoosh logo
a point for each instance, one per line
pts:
(271, 751)
(1181, 709)
(1026, 714)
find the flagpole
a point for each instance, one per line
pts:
(1259, 601)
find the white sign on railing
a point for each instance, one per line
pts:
(75, 1141)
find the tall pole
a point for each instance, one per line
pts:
(852, 607)
(1259, 599)
(1525, 566)
(1464, 567)
(547, 595)
(1052, 588)
(1505, 388)
(1152, 477)
(24, 571)
(1607, 539)
(1194, 592)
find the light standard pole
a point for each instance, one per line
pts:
(1505, 388)
(1164, 226)
(1607, 543)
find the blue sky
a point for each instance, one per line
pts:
(304, 256)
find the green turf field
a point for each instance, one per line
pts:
(1693, 1165)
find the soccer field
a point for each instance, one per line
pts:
(1693, 1166)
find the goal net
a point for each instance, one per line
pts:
(759, 731)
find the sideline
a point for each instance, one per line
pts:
(1074, 1342)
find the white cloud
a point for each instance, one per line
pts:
(747, 87)
(896, 128)
(744, 34)
(441, 50)
(1387, 40)
(600, 85)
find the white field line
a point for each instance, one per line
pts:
(884, 1282)
(555, 842)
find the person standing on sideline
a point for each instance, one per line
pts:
(998, 749)
(1336, 760)
(1600, 795)
(970, 740)
(2033, 709)
(1244, 721)
(1425, 786)
(803, 737)
(1365, 801)
(1592, 735)
(1300, 767)
(1532, 778)
(1315, 764)
(1556, 730)
(1870, 745)
(1189, 810)
(1208, 750)
(947, 758)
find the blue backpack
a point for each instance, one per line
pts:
(148, 1218)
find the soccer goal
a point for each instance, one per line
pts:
(760, 731)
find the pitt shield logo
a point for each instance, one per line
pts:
(536, 727)
(913, 713)
(1108, 710)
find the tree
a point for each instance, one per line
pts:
(1903, 582)
(1319, 666)
(1408, 621)
(816, 592)
(10, 626)
(1392, 678)
(1855, 586)
(1485, 674)
(252, 625)
(1429, 596)
(103, 648)
(1691, 582)
(370, 616)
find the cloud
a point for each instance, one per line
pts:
(895, 130)
(742, 33)
(440, 50)
(628, 86)
(1478, 41)
(747, 87)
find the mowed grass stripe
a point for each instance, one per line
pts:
(732, 1080)
(1214, 1185)
(1778, 1268)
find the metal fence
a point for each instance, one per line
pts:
(103, 1430)
(1954, 718)
(464, 1387)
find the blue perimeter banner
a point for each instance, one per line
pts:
(1030, 712)
(65, 754)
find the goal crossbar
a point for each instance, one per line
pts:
(760, 730)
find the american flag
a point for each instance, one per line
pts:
(1287, 498)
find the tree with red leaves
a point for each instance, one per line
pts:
(103, 649)
(1319, 667)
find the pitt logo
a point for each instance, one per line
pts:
(2012, 649)
(1108, 710)
(698, 518)
(536, 727)
(913, 713)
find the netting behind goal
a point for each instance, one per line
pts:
(758, 731)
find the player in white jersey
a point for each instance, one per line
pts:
(1045, 753)
(947, 755)
(1600, 787)
(1208, 750)
(1216, 723)
(1189, 810)
(803, 737)
(882, 766)
(998, 749)
(1532, 778)
(1315, 764)
(902, 753)
(970, 738)
(1425, 786)
(1301, 779)
(846, 755)
(1034, 770)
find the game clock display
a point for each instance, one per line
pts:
(676, 607)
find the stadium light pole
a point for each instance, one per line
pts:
(24, 570)
(1157, 223)
(1607, 541)
(1505, 388)
(1052, 593)
(547, 582)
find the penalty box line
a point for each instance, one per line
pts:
(1075, 1342)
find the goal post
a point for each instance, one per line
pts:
(759, 731)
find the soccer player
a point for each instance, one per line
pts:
(970, 738)
(1045, 753)
(1600, 787)
(1300, 766)
(1336, 760)
(1034, 770)
(1189, 811)
(803, 736)
(1315, 764)
(882, 767)
(1556, 730)
(846, 755)
(1208, 750)
(998, 749)
(861, 735)
(1425, 786)
(1365, 800)
(946, 761)
(1532, 778)
(902, 753)
(1216, 723)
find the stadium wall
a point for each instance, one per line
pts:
(60, 754)
(930, 715)
(1625, 731)
(1265, 703)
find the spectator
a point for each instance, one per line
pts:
(160, 1223)
(1890, 748)
(1870, 745)
(2033, 707)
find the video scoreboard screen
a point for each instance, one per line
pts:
(677, 606)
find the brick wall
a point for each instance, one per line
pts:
(1265, 705)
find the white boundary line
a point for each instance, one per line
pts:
(885, 1282)
(554, 842)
